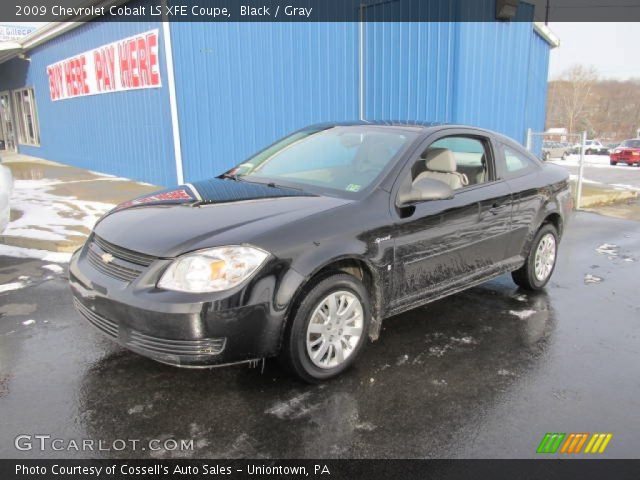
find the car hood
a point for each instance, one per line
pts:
(206, 214)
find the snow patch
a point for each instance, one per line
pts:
(54, 268)
(293, 408)
(402, 360)
(50, 217)
(522, 314)
(439, 351)
(12, 286)
(28, 322)
(19, 252)
(588, 278)
(608, 249)
(464, 340)
(366, 426)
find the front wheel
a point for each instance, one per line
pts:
(328, 329)
(541, 261)
(613, 163)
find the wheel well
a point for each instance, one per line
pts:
(554, 219)
(358, 269)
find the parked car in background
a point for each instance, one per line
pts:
(612, 146)
(555, 150)
(592, 147)
(627, 152)
(6, 187)
(303, 249)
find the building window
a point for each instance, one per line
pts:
(26, 117)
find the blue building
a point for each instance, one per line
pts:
(172, 102)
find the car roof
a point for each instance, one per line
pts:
(413, 125)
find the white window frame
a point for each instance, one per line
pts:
(21, 116)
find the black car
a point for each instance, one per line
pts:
(303, 249)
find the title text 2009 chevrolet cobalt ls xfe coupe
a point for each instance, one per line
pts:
(302, 250)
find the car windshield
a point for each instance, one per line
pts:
(343, 160)
(631, 143)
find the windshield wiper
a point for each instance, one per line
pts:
(275, 185)
(231, 176)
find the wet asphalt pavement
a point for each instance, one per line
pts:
(485, 373)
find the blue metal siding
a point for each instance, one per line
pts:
(487, 74)
(492, 66)
(124, 133)
(409, 71)
(241, 86)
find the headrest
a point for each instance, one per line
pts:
(440, 160)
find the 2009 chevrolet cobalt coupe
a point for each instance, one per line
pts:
(302, 250)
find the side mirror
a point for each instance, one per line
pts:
(425, 189)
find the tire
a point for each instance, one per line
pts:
(546, 156)
(564, 156)
(613, 163)
(527, 276)
(588, 152)
(300, 342)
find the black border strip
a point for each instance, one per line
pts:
(583, 469)
(17, 11)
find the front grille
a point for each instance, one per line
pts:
(141, 259)
(105, 326)
(203, 346)
(123, 264)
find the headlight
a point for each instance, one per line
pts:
(213, 269)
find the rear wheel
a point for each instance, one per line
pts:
(564, 156)
(613, 163)
(328, 330)
(539, 265)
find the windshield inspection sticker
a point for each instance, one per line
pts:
(353, 187)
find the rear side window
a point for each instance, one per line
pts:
(516, 163)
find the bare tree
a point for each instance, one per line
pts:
(606, 109)
(572, 98)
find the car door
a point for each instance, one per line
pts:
(441, 244)
(520, 170)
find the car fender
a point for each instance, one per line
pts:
(310, 265)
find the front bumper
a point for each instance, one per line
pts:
(178, 328)
(628, 159)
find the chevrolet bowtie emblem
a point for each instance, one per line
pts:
(106, 257)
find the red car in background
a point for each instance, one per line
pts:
(627, 152)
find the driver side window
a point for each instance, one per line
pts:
(458, 161)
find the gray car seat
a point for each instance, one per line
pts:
(441, 165)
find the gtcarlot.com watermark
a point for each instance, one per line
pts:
(47, 443)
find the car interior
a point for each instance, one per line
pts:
(456, 161)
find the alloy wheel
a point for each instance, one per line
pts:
(334, 329)
(545, 257)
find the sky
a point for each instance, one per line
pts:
(610, 47)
